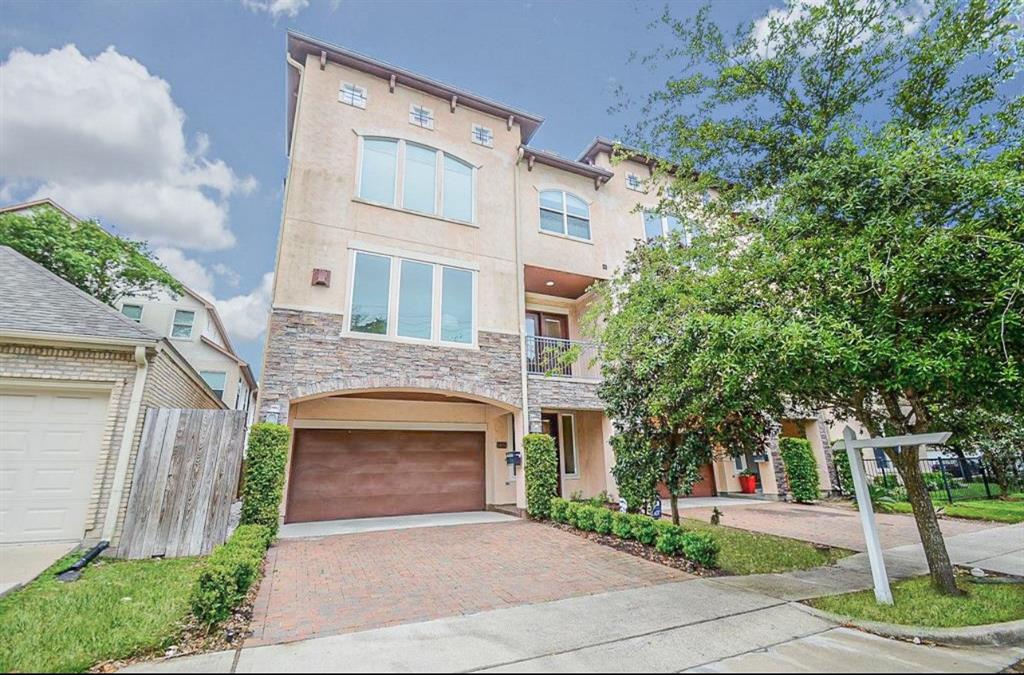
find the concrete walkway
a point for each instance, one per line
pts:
(21, 563)
(737, 624)
(329, 528)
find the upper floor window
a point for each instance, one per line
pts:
(133, 312)
(483, 136)
(633, 182)
(215, 380)
(352, 94)
(431, 181)
(658, 225)
(184, 319)
(564, 213)
(406, 298)
(421, 117)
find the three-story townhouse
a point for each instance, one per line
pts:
(432, 268)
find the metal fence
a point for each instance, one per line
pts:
(565, 358)
(949, 479)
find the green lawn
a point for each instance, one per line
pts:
(118, 609)
(746, 552)
(916, 604)
(998, 510)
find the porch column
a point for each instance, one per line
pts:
(609, 456)
(778, 468)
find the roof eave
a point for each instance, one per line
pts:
(566, 164)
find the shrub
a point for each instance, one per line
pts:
(843, 471)
(265, 462)
(558, 510)
(585, 517)
(670, 538)
(701, 548)
(603, 521)
(801, 468)
(622, 525)
(541, 474)
(644, 529)
(228, 573)
(572, 510)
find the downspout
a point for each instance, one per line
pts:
(521, 307)
(127, 438)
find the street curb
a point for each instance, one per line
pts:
(1008, 634)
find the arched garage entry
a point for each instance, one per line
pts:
(362, 453)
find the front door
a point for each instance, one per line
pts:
(549, 426)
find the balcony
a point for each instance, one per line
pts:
(555, 357)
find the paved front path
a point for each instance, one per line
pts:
(354, 582)
(830, 525)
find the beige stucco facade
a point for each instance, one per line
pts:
(316, 366)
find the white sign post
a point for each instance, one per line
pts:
(854, 446)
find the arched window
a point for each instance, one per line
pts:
(564, 213)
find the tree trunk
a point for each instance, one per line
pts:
(673, 499)
(939, 566)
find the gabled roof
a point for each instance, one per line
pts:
(299, 45)
(45, 201)
(35, 300)
(601, 144)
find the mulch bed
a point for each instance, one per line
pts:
(196, 638)
(635, 548)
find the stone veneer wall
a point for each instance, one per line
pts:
(307, 354)
(562, 393)
(826, 444)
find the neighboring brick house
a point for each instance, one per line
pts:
(76, 380)
(432, 266)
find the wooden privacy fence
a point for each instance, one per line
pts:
(186, 477)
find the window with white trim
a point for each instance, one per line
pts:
(184, 319)
(483, 136)
(352, 94)
(430, 181)
(215, 380)
(421, 117)
(133, 312)
(412, 299)
(634, 182)
(659, 225)
(564, 213)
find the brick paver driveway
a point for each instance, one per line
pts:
(353, 582)
(830, 525)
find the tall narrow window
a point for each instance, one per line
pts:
(183, 321)
(564, 213)
(420, 188)
(568, 439)
(377, 181)
(456, 305)
(370, 293)
(416, 300)
(652, 225)
(458, 189)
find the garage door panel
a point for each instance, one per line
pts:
(49, 448)
(360, 473)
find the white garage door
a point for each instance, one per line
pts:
(49, 443)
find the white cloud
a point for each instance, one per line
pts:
(190, 272)
(104, 137)
(246, 315)
(277, 8)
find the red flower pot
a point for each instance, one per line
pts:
(748, 484)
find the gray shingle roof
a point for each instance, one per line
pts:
(35, 299)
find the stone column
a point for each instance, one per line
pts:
(777, 466)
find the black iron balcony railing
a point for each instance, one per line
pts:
(562, 358)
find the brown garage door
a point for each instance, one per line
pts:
(359, 474)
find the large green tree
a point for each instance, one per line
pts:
(81, 252)
(868, 234)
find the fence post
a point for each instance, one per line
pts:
(984, 479)
(945, 480)
(885, 479)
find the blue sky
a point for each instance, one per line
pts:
(196, 166)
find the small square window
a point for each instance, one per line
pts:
(483, 136)
(353, 95)
(133, 312)
(633, 182)
(421, 117)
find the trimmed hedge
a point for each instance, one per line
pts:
(541, 473)
(801, 469)
(697, 546)
(228, 573)
(265, 462)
